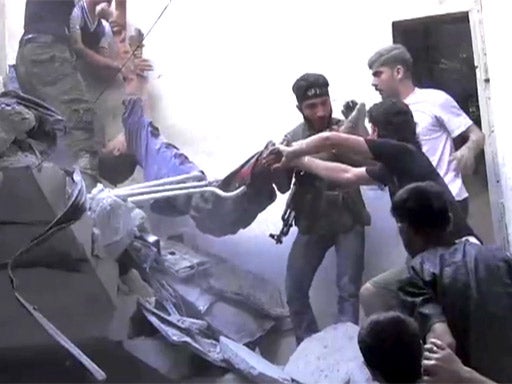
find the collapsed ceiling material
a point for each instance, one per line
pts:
(198, 297)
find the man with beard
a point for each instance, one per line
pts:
(441, 124)
(326, 216)
(400, 162)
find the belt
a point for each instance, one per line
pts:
(40, 38)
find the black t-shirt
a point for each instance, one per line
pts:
(402, 164)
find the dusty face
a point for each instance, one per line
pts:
(317, 112)
(386, 81)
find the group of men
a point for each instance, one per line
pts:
(421, 142)
(330, 210)
(458, 290)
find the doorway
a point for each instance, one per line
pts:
(442, 50)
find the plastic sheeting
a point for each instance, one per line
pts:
(116, 222)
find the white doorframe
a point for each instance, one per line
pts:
(495, 168)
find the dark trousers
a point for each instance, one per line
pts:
(306, 255)
(46, 69)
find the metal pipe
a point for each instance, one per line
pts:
(164, 195)
(196, 176)
(165, 188)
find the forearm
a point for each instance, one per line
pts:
(322, 142)
(104, 64)
(471, 376)
(475, 141)
(336, 172)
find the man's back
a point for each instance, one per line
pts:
(473, 285)
(402, 164)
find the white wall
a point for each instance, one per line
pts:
(222, 89)
(496, 25)
(225, 71)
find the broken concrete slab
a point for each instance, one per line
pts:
(250, 364)
(15, 122)
(173, 361)
(331, 356)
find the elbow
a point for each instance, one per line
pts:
(329, 141)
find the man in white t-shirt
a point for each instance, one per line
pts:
(441, 123)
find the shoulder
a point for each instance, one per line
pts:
(431, 94)
(438, 97)
(297, 133)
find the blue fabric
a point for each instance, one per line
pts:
(158, 158)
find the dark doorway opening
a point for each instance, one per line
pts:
(442, 50)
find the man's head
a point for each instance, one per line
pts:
(391, 68)
(391, 347)
(313, 101)
(422, 213)
(393, 119)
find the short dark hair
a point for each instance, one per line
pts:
(391, 57)
(423, 206)
(390, 343)
(116, 169)
(394, 120)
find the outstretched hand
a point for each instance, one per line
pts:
(279, 157)
(348, 108)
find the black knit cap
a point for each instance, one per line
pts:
(310, 86)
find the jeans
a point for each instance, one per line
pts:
(306, 255)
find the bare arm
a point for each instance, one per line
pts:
(441, 365)
(329, 142)
(465, 134)
(471, 376)
(342, 174)
(107, 66)
(471, 142)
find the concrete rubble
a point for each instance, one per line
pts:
(252, 365)
(331, 356)
(16, 121)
